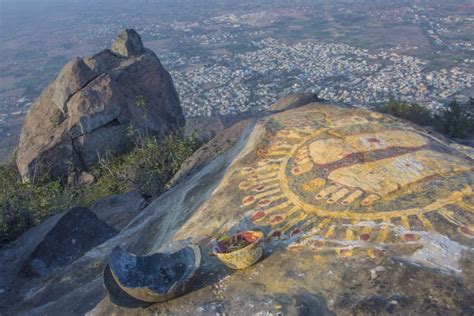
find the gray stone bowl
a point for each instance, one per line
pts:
(158, 277)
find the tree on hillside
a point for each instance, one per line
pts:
(456, 119)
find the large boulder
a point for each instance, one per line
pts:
(363, 214)
(78, 231)
(128, 44)
(87, 111)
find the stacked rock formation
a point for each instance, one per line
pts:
(88, 109)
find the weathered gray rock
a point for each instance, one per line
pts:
(119, 210)
(81, 178)
(128, 44)
(87, 110)
(73, 77)
(85, 178)
(78, 231)
(363, 214)
(294, 100)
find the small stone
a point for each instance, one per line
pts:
(373, 274)
(85, 178)
(379, 269)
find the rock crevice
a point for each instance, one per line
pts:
(75, 92)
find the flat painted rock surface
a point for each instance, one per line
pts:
(362, 214)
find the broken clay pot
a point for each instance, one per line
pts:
(157, 277)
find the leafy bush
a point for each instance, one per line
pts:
(146, 168)
(454, 120)
(23, 205)
(408, 111)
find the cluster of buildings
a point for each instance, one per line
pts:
(224, 37)
(238, 66)
(257, 18)
(232, 83)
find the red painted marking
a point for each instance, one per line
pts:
(364, 237)
(318, 244)
(296, 170)
(262, 152)
(410, 237)
(276, 219)
(257, 215)
(264, 203)
(276, 234)
(253, 176)
(248, 199)
(373, 140)
(260, 188)
(295, 231)
(244, 185)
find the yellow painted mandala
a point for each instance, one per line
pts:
(356, 180)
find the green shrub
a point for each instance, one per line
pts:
(146, 168)
(408, 111)
(454, 120)
(23, 205)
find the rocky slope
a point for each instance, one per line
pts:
(88, 109)
(362, 214)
